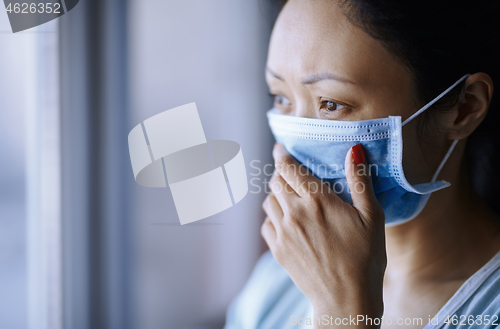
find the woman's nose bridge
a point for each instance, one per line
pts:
(304, 109)
(304, 100)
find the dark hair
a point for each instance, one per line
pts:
(440, 41)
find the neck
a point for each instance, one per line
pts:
(452, 238)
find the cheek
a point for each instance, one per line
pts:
(413, 157)
(421, 154)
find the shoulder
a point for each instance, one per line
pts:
(484, 304)
(477, 303)
(265, 293)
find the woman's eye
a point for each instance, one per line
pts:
(281, 100)
(331, 106)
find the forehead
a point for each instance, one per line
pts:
(313, 36)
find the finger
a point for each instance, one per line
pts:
(360, 181)
(268, 232)
(273, 209)
(282, 191)
(295, 174)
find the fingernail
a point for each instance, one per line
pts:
(358, 154)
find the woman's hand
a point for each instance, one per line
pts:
(334, 252)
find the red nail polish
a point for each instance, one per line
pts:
(358, 153)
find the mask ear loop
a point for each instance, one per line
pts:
(425, 107)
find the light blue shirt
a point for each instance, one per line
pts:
(270, 300)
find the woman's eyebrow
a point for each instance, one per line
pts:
(313, 78)
(324, 76)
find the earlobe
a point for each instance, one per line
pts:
(472, 109)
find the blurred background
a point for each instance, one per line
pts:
(81, 244)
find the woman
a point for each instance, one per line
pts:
(386, 246)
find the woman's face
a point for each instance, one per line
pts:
(321, 66)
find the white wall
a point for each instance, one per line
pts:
(29, 143)
(13, 276)
(211, 52)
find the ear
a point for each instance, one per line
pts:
(472, 108)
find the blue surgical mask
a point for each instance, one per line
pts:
(322, 145)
